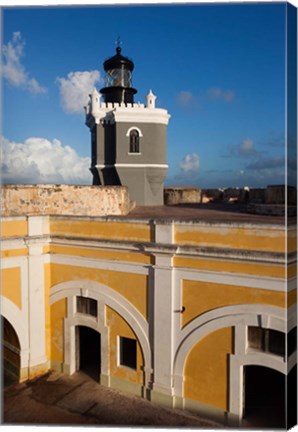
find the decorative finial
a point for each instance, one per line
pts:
(118, 44)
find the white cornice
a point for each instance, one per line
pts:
(136, 165)
(142, 115)
(131, 165)
(128, 114)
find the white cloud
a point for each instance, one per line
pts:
(12, 68)
(34, 87)
(217, 93)
(185, 98)
(246, 147)
(75, 90)
(190, 163)
(39, 160)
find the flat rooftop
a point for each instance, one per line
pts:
(210, 212)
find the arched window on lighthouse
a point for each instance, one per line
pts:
(134, 141)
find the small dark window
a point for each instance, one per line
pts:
(277, 342)
(134, 141)
(87, 306)
(266, 340)
(128, 352)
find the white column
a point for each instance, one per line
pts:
(236, 388)
(163, 312)
(236, 374)
(37, 226)
(163, 316)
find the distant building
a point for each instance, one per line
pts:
(128, 139)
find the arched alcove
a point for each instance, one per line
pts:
(264, 397)
(10, 353)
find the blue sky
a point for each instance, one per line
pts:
(219, 69)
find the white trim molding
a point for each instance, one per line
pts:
(134, 128)
(236, 369)
(126, 113)
(96, 263)
(131, 165)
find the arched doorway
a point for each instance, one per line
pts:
(88, 352)
(292, 397)
(264, 397)
(10, 353)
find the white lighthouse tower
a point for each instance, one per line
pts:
(128, 140)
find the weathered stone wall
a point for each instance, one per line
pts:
(182, 195)
(64, 200)
(211, 195)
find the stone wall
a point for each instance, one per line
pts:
(181, 195)
(272, 194)
(17, 200)
(266, 201)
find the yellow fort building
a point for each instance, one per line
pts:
(170, 306)
(189, 306)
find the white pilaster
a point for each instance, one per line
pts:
(38, 225)
(163, 316)
(163, 313)
(36, 306)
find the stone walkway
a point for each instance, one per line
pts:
(57, 399)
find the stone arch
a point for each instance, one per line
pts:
(18, 321)
(265, 397)
(239, 317)
(134, 128)
(10, 352)
(227, 316)
(105, 296)
(15, 317)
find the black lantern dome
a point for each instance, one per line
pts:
(118, 79)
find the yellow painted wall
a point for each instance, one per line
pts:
(106, 254)
(9, 253)
(291, 298)
(231, 237)
(292, 240)
(99, 229)
(14, 228)
(199, 297)
(133, 287)
(291, 270)
(58, 313)
(217, 265)
(119, 327)
(11, 285)
(46, 249)
(206, 369)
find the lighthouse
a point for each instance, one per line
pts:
(128, 139)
